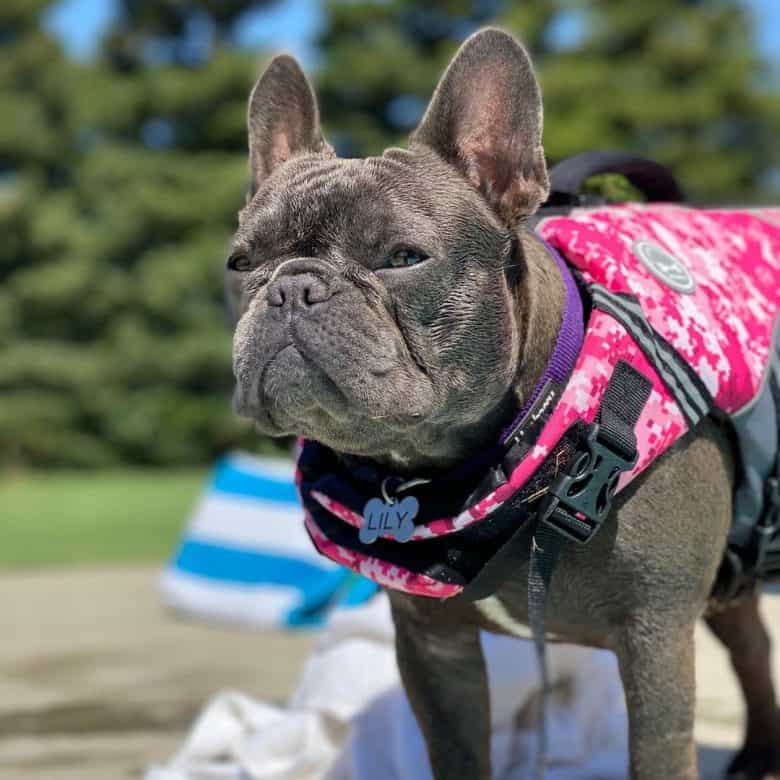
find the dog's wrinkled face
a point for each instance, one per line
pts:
(374, 306)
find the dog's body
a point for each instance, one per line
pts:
(396, 308)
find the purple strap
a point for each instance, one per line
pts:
(568, 343)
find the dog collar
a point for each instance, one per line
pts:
(520, 432)
(338, 490)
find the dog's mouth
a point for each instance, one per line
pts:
(328, 374)
(280, 392)
(293, 394)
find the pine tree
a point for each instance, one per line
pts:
(678, 80)
(122, 179)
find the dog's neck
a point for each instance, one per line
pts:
(539, 299)
(539, 304)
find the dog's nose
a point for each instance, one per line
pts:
(303, 289)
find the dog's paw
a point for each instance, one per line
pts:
(755, 762)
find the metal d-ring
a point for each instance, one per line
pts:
(385, 496)
(410, 483)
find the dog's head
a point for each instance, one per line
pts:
(375, 295)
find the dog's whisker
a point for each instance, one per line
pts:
(558, 463)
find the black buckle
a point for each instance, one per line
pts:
(579, 501)
(768, 533)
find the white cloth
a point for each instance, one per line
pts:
(350, 720)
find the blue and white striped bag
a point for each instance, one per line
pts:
(245, 556)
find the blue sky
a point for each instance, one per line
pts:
(292, 25)
(289, 25)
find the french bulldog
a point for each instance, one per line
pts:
(397, 308)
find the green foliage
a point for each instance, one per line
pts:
(677, 80)
(120, 180)
(614, 188)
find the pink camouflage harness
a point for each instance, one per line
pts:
(671, 314)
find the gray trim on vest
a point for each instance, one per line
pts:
(690, 395)
(756, 427)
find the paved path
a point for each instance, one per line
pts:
(97, 680)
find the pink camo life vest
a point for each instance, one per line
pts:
(689, 298)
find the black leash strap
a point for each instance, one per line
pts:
(578, 503)
(545, 548)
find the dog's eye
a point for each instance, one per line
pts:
(240, 261)
(403, 258)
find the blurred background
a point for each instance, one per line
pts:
(123, 165)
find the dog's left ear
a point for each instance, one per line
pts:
(485, 118)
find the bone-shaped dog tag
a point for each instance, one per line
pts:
(381, 518)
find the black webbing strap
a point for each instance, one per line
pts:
(686, 387)
(521, 512)
(577, 505)
(624, 398)
(546, 546)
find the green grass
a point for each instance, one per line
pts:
(127, 516)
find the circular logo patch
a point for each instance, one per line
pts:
(664, 266)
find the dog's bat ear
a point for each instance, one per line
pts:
(485, 118)
(283, 118)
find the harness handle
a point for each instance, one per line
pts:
(655, 181)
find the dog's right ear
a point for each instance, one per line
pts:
(283, 118)
(485, 118)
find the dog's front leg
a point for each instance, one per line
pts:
(443, 671)
(656, 660)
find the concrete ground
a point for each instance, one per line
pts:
(97, 680)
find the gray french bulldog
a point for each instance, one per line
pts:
(376, 316)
